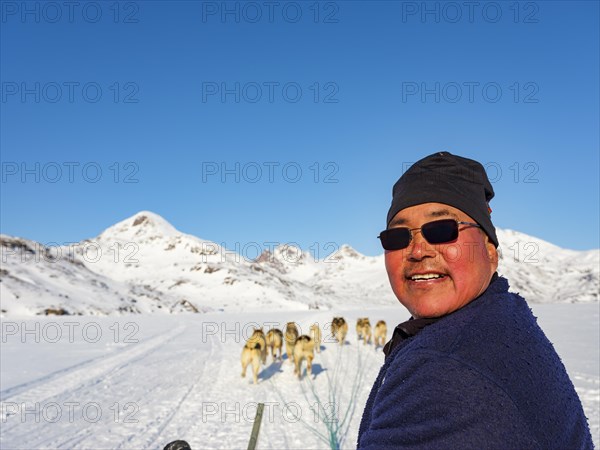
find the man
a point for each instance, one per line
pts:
(471, 369)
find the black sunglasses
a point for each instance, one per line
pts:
(436, 232)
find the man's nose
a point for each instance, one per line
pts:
(419, 248)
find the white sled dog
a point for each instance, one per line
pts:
(339, 329)
(315, 334)
(304, 349)
(253, 353)
(291, 335)
(275, 342)
(380, 333)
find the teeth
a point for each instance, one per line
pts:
(426, 276)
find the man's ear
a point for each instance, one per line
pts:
(492, 253)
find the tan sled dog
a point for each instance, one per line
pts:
(360, 322)
(259, 337)
(304, 349)
(315, 334)
(339, 329)
(253, 352)
(380, 333)
(275, 341)
(363, 330)
(291, 335)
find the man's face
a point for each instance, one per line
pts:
(463, 268)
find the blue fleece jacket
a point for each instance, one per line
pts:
(483, 377)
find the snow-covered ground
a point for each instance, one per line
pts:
(132, 367)
(140, 381)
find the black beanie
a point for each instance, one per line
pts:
(448, 179)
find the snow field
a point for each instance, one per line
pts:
(145, 380)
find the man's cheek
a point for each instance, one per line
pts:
(452, 253)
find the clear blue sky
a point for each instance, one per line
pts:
(180, 103)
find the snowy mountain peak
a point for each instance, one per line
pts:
(12, 243)
(265, 256)
(290, 254)
(144, 224)
(346, 251)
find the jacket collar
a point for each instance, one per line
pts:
(413, 326)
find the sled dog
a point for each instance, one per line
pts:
(315, 334)
(339, 329)
(304, 349)
(291, 335)
(363, 330)
(359, 322)
(275, 342)
(253, 353)
(380, 333)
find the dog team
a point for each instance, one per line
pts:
(302, 347)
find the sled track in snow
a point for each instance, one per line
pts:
(82, 382)
(71, 377)
(186, 407)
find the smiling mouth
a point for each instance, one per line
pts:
(425, 277)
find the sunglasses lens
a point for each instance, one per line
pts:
(395, 238)
(440, 231)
